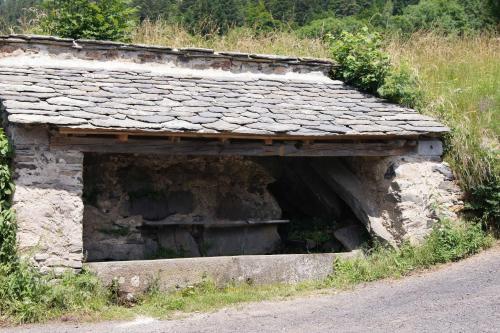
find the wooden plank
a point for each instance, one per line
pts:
(212, 224)
(215, 148)
(239, 136)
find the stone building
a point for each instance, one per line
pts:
(129, 152)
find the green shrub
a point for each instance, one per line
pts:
(360, 59)
(445, 16)
(7, 223)
(100, 19)
(28, 296)
(259, 18)
(401, 85)
(364, 64)
(485, 202)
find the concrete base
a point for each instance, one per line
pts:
(171, 274)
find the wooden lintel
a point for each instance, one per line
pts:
(214, 148)
(268, 142)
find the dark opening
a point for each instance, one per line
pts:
(150, 207)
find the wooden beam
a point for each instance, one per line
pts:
(214, 148)
(238, 136)
(122, 137)
(211, 224)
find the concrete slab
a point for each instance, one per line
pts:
(171, 274)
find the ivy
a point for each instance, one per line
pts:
(8, 228)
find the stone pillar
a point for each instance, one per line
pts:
(409, 193)
(47, 200)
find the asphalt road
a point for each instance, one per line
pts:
(461, 297)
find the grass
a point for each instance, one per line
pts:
(240, 39)
(27, 296)
(460, 79)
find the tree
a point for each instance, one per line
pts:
(101, 19)
(445, 16)
(259, 18)
(154, 9)
(208, 16)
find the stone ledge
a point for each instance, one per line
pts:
(171, 274)
(85, 45)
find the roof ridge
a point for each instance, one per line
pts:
(186, 52)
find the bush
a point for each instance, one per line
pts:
(445, 16)
(485, 202)
(7, 223)
(360, 59)
(401, 85)
(259, 18)
(363, 63)
(101, 19)
(28, 296)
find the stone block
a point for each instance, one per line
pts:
(430, 147)
(352, 237)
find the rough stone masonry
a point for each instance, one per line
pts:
(62, 100)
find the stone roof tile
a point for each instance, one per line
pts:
(241, 104)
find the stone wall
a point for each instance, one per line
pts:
(412, 193)
(397, 198)
(407, 195)
(47, 200)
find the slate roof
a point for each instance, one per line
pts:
(96, 98)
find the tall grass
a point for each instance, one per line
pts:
(460, 78)
(239, 39)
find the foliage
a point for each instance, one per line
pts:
(485, 202)
(29, 296)
(208, 16)
(446, 243)
(155, 9)
(7, 224)
(102, 19)
(360, 59)
(238, 39)
(259, 18)
(401, 85)
(12, 10)
(445, 16)
(331, 25)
